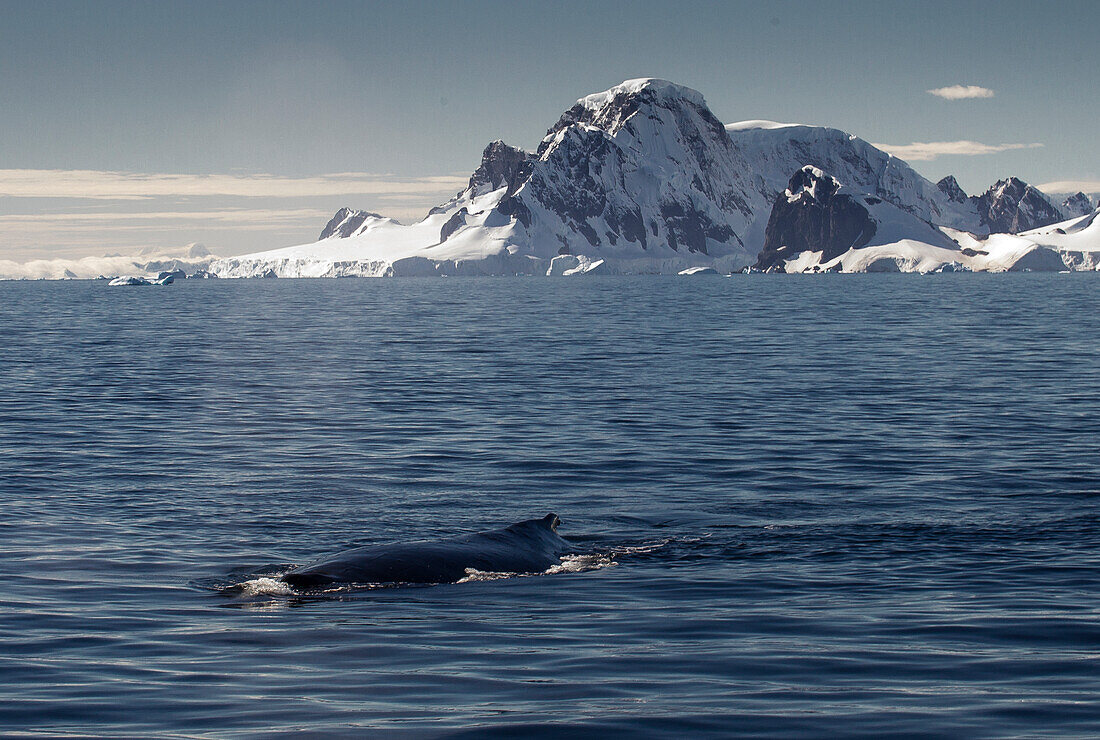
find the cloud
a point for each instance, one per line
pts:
(927, 151)
(107, 185)
(1071, 186)
(961, 92)
(226, 217)
(74, 213)
(146, 261)
(74, 234)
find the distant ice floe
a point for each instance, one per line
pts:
(163, 279)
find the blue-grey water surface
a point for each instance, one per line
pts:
(837, 505)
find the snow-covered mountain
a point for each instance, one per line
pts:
(813, 222)
(348, 222)
(1078, 204)
(641, 178)
(1011, 206)
(642, 175)
(816, 227)
(773, 152)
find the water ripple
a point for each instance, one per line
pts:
(863, 506)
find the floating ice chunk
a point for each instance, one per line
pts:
(561, 264)
(163, 279)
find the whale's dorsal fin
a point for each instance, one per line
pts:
(552, 521)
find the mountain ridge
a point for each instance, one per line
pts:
(641, 177)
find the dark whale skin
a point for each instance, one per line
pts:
(530, 546)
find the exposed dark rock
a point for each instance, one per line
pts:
(513, 207)
(691, 227)
(501, 165)
(629, 224)
(345, 223)
(454, 223)
(1077, 204)
(1012, 206)
(970, 252)
(614, 115)
(577, 174)
(949, 186)
(812, 216)
(589, 233)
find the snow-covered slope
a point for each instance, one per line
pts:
(641, 178)
(1069, 245)
(816, 220)
(773, 152)
(348, 222)
(642, 175)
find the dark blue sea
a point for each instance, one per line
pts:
(839, 505)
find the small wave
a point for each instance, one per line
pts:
(581, 563)
(663, 548)
(568, 564)
(645, 548)
(275, 586)
(265, 586)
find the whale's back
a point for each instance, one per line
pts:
(530, 546)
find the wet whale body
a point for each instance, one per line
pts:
(530, 546)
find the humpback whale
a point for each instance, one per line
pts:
(530, 546)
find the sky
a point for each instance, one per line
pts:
(245, 125)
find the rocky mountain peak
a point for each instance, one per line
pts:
(645, 163)
(812, 215)
(612, 110)
(501, 164)
(811, 184)
(1011, 187)
(345, 223)
(950, 187)
(1012, 206)
(643, 178)
(1077, 204)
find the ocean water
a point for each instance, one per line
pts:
(801, 506)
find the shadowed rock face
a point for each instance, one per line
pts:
(1012, 206)
(601, 172)
(949, 186)
(812, 216)
(454, 223)
(345, 223)
(501, 165)
(1078, 204)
